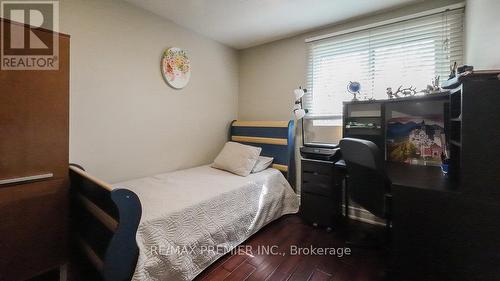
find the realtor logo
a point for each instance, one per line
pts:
(26, 40)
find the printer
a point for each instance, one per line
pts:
(320, 151)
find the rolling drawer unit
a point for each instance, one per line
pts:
(321, 195)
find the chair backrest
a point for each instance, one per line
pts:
(368, 182)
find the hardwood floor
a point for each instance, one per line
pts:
(289, 231)
(360, 265)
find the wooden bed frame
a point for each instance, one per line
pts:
(104, 220)
(276, 139)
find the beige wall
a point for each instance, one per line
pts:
(125, 121)
(268, 75)
(482, 34)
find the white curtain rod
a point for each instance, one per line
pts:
(387, 22)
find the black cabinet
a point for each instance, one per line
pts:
(474, 131)
(444, 236)
(321, 193)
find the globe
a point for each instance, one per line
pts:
(354, 87)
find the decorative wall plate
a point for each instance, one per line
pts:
(176, 67)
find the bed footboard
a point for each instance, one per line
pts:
(104, 223)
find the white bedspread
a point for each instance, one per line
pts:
(192, 217)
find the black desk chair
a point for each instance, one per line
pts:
(367, 182)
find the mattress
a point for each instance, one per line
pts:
(192, 217)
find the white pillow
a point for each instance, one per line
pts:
(262, 163)
(237, 158)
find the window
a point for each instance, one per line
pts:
(407, 53)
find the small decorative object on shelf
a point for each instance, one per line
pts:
(354, 88)
(445, 161)
(453, 70)
(434, 88)
(456, 70)
(410, 91)
(390, 94)
(465, 68)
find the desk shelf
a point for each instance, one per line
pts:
(366, 112)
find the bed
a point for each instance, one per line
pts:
(174, 225)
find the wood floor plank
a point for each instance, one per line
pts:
(234, 261)
(260, 250)
(216, 275)
(318, 275)
(305, 266)
(217, 265)
(290, 262)
(241, 272)
(265, 269)
(285, 269)
(280, 244)
(267, 264)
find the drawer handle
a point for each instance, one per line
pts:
(25, 179)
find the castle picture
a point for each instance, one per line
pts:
(416, 140)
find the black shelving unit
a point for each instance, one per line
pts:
(474, 136)
(374, 133)
(378, 135)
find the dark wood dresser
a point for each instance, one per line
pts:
(321, 192)
(34, 128)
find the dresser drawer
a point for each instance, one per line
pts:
(319, 167)
(318, 189)
(314, 177)
(318, 209)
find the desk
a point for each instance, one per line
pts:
(423, 206)
(404, 176)
(438, 232)
(422, 177)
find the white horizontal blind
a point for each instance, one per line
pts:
(409, 53)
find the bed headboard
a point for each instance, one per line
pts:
(276, 138)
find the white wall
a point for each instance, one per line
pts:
(482, 34)
(125, 121)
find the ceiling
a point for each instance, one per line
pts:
(246, 23)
